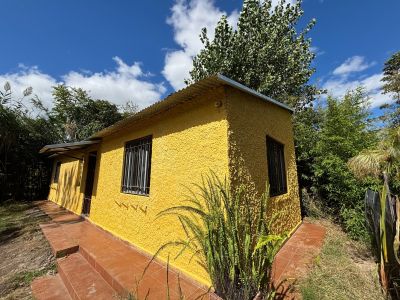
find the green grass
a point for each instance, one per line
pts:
(25, 278)
(343, 270)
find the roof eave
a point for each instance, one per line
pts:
(67, 146)
(173, 99)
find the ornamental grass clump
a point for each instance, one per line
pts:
(229, 237)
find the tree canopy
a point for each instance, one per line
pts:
(76, 116)
(22, 172)
(265, 52)
(73, 116)
(344, 131)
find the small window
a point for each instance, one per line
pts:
(137, 163)
(57, 172)
(276, 167)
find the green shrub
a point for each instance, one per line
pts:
(354, 223)
(231, 238)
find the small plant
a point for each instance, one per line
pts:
(230, 237)
(354, 222)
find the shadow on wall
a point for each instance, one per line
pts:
(96, 174)
(68, 194)
(285, 208)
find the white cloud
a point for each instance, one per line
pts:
(187, 20)
(30, 76)
(126, 82)
(176, 69)
(337, 87)
(276, 2)
(352, 65)
(340, 81)
(317, 51)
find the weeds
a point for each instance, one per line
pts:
(355, 223)
(25, 278)
(344, 270)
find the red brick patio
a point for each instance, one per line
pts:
(93, 264)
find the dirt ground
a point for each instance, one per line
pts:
(24, 251)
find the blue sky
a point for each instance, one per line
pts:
(142, 50)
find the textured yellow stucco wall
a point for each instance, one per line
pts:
(188, 141)
(68, 191)
(250, 121)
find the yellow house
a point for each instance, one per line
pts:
(125, 174)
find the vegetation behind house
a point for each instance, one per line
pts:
(26, 125)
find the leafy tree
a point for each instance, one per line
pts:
(345, 131)
(391, 79)
(76, 116)
(23, 174)
(129, 108)
(308, 124)
(265, 52)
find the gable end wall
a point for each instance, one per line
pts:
(250, 120)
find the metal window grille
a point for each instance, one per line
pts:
(276, 167)
(57, 172)
(137, 165)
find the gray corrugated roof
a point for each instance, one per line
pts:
(184, 95)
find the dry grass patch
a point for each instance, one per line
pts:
(345, 269)
(24, 251)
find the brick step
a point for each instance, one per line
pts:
(49, 288)
(121, 272)
(82, 280)
(124, 270)
(59, 242)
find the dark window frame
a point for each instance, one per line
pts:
(129, 175)
(57, 172)
(277, 175)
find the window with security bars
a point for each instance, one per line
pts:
(137, 164)
(57, 172)
(276, 167)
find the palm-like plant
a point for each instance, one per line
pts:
(383, 163)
